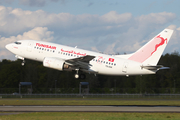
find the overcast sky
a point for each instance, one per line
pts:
(109, 26)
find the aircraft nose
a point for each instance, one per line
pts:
(8, 46)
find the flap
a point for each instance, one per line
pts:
(81, 62)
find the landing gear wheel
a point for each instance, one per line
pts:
(76, 76)
(23, 63)
(82, 76)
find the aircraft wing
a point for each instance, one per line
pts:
(81, 62)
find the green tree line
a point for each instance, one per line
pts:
(44, 79)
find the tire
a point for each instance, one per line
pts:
(82, 76)
(76, 76)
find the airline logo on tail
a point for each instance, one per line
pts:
(149, 49)
(161, 43)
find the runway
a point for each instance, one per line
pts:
(145, 109)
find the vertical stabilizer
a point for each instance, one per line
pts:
(151, 52)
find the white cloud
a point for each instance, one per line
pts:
(114, 17)
(110, 48)
(38, 33)
(157, 18)
(13, 20)
(111, 32)
(16, 21)
(178, 29)
(94, 49)
(172, 27)
(131, 48)
(176, 35)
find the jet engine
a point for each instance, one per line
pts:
(55, 63)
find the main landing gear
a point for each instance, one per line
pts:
(79, 76)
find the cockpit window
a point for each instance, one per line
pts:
(18, 43)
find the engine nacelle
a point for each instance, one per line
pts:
(54, 63)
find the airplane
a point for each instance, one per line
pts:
(64, 58)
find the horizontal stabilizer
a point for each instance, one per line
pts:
(158, 67)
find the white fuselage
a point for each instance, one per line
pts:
(102, 63)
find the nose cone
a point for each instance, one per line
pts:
(9, 47)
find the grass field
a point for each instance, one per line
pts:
(69, 101)
(91, 116)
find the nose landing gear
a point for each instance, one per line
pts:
(23, 63)
(21, 58)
